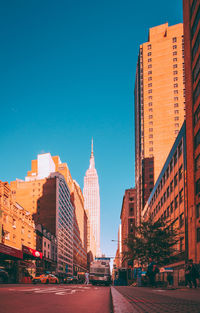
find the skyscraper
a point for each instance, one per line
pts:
(159, 104)
(92, 204)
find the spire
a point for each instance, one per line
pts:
(92, 154)
(92, 164)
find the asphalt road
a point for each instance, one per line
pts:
(54, 299)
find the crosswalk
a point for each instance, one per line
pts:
(60, 290)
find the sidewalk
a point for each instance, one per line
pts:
(155, 300)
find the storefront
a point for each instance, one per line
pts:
(27, 266)
(9, 259)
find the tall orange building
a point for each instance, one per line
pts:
(159, 103)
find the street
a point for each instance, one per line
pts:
(155, 300)
(54, 299)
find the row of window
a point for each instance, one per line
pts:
(169, 169)
(170, 209)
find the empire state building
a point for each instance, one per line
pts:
(92, 205)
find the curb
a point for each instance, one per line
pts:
(119, 303)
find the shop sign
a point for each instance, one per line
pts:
(32, 252)
(11, 251)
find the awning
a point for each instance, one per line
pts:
(10, 252)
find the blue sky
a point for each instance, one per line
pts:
(67, 75)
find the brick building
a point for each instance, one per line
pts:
(191, 14)
(127, 221)
(168, 200)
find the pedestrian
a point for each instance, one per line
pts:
(191, 274)
(170, 279)
(152, 270)
(86, 278)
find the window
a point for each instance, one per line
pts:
(45, 244)
(175, 72)
(197, 115)
(195, 24)
(150, 104)
(175, 66)
(7, 236)
(197, 163)
(181, 196)
(175, 79)
(150, 129)
(198, 210)
(171, 186)
(176, 125)
(176, 98)
(149, 47)
(180, 172)
(168, 192)
(175, 91)
(150, 85)
(174, 46)
(151, 136)
(174, 52)
(197, 90)
(196, 70)
(175, 158)
(150, 59)
(180, 149)
(149, 78)
(181, 244)
(150, 149)
(150, 66)
(197, 139)
(172, 207)
(171, 165)
(150, 116)
(175, 85)
(150, 97)
(198, 234)
(174, 39)
(197, 186)
(174, 59)
(175, 180)
(176, 202)
(176, 118)
(150, 142)
(196, 45)
(149, 54)
(176, 111)
(150, 110)
(167, 172)
(149, 72)
(150, 91)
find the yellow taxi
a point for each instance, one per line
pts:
(45, 279)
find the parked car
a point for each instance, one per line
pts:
(3, 276)
(45, 279)
(71, 280)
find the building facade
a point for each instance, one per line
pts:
(168, 200)
(191, 14)
(159, 102)
(92, 206)
(17, 236)
(40, 192)
(127, 217)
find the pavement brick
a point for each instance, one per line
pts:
(140, 300)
